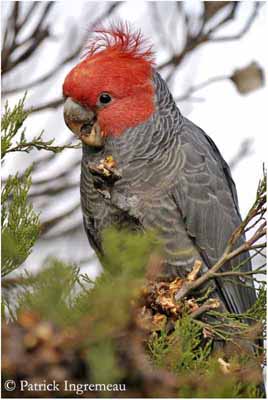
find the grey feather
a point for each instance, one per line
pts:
(175, 180)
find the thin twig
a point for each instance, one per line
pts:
(47, 225)
(40, 145)
(70, 57)
(52, 191)
(244, 150)
(211, 304)
(240, 273)
(243, 31)
(200, 86)
(49, 105)
(230, 253)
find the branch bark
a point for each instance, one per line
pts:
(230, 252)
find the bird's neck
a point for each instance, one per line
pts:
(150, 139)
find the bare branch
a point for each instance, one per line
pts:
(70, 230)
(230, 253)
(45, 77)
(37, 35)
(260, 270)
(9, 42)
(244, 151)
(229, 17)
(28, 14)
(211, 304)
(243, 31)
(49, 105)
(52, 191)
(200, 86)
(72, 56)
(58, 176)
(193, 42)
(47, 225)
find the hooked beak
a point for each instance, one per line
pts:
(83, 123)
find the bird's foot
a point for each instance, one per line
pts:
(106, 174)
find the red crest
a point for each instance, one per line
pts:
(121, 39)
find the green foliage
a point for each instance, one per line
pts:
(193, 360)
(103, 362)
(258, 311)
(181, 350)
(20, 224)
(99, 320)
(118, 246)
(49, 293)
(12, 122)
(214, 384)
(59, 294)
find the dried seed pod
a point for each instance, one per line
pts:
(248, 79)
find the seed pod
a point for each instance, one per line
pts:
(249, 78)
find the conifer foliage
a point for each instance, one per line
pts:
(20, 223)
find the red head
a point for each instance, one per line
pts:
(114, 80)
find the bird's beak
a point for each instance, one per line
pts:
(83, 123)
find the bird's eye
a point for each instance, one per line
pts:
(105, 98)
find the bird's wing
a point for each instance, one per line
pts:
(206, 196)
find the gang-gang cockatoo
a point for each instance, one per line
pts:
(172, 176)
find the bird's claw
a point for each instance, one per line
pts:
(106, 169)
(106, 174)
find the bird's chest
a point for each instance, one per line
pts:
(104, 202)
(128, 199)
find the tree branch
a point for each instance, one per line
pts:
(243, 31)
(52, 191)
(35, 38)
(203, 36)
(201, 85)
(63, 62)
(40, 145)
(50, 104)
(244, 150)
(230, 253)
(211, 304)
(47, 225)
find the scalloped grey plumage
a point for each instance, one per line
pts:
(176, 181)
